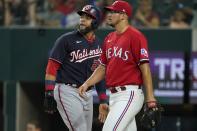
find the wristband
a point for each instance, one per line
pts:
(49, 85)
(103, 98)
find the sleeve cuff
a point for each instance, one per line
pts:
(103, 98)
(49, 85)
(142, 61)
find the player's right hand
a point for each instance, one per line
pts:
(103, 112)
(50, 104)
(82, 90)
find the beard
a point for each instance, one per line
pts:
(112, 24)
(109, 23)
(85, 30)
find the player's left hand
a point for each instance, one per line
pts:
(49, 102)
(103, 112)
(151, 102)
(82, 90)
(151, 115)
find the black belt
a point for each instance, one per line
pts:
(77, 86)
(122, 88)
(72, 85)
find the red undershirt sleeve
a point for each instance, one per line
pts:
(51, 72)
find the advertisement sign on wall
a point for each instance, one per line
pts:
(168, 76)
(193, 78)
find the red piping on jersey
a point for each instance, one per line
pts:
(55, 60)
(64, 109)
(124, 111)
(101, 62)
(90, 39)
(52, 67)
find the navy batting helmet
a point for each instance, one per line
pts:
(93, 12)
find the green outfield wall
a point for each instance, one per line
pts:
(24, 52)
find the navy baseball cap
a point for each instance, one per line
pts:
(89, 10)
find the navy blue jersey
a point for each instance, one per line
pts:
(77, 56)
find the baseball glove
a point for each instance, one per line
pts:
(50, 104)
(151, 116)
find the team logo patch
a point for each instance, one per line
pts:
(95, 64)
(144, 52)
(87, 7)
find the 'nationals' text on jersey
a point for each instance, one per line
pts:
(81, 55)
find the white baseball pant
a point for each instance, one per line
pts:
(123, 107)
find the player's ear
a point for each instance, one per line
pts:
(124, 16)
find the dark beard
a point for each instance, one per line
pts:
(86, 30)
(112, 25)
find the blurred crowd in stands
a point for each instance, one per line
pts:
(62, 13)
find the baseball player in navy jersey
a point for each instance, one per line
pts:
(125, 67)
(72, 60)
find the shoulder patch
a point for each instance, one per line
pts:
(144, 52)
